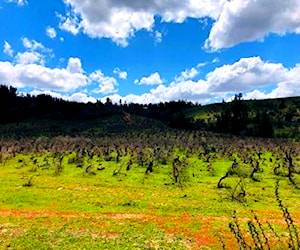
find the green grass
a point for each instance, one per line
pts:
(92, 233)
(48, 204)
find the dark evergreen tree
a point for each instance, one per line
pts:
(265, 126)
(234, 118)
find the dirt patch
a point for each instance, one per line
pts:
(172, 225)
(185, 218)
(36, 214)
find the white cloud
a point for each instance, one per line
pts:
(119, 19)
(188, 74)
(123, 25)
(107, 84)
(32, 45)
(51, 32)
(189, 90)
(121, 74)
(36, 53)
(255, 94)
(250, 20)
(201, 65)
(158, 37)
(29, 58)
(18, 2)
(245, 74)
(289, 87)
(283, 89)
(36, 92)
(236, 21)
(131, 98)
(186, 90)
(69, 23)
(77, 97)
(39, 76)
(74, 65)
(82, 97)
(153, 79)
(248, 75)
(8, 49)
(216, 60)
(29, 70)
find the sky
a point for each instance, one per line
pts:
(150, 51)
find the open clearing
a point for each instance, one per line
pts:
(77, 193)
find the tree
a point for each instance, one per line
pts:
(8, 96)
(265, 126)
(234, 118)
(108, 101)
(239, 114)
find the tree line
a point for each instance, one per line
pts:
(259, 118)
(17, 108)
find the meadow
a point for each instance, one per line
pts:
(151, 189)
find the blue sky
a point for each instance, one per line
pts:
(151, 51)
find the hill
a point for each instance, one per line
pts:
(262, 118)
(43, 115)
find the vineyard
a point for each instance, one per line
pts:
(149, 188)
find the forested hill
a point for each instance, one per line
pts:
(260, 118)
(15, 108)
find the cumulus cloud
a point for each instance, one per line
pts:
(39, 76)
(29, 58)
(290, 86)
(51, 32)
(119, 20)
(18, 2)
(107, 84)
(32, 45)
(121, 74)
(131, 98)
(82, 97)
(236, 21)
(36, 53)
(29, 69)
(76, 97)
(74, 65)
(247, 75)
(8, 49)
(248, 20)
(188, 90)
(282, 90)
(69, 23)
(188, 74)
(153, 79)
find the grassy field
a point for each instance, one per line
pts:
(147, 192)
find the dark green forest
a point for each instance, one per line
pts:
(43, 115)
